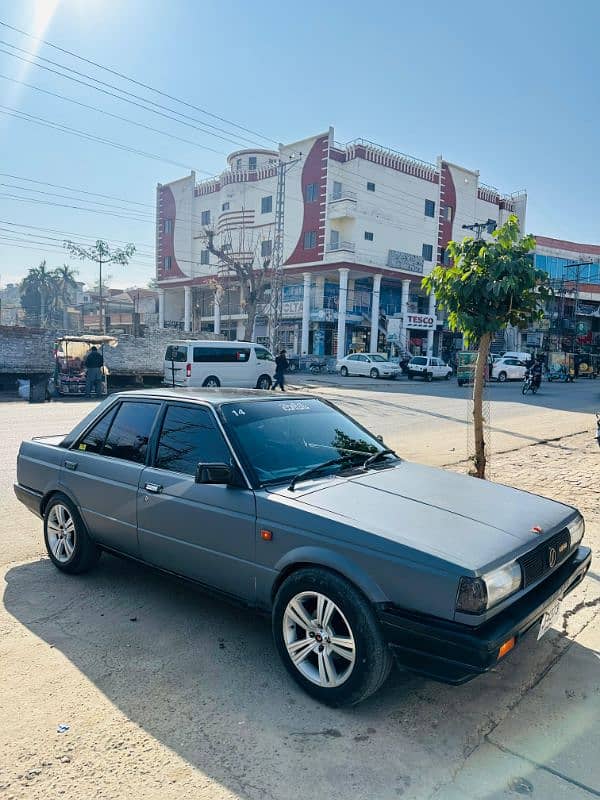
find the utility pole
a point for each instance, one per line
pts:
(479, 227)
(576, 265)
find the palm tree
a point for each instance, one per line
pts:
(40, 281)
(66, 287)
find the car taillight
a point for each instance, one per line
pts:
(188, 370)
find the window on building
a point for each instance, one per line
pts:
(445, 257)
(428, 252)
(334, 239)
(168, 226)
(205, 218)
(266, 248)
(167, 263)
(429, 208)
(205, 257)
(310, 240)
(336, 194)
(369, 236)
(252, 164)
(447, 213)
(370, 186)
(238, 163)
(266, 204)
(190, 436)
(311, 192)
(225, 207)
(129, 434)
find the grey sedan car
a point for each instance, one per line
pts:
(290, 506)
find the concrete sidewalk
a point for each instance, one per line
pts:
(549, 745)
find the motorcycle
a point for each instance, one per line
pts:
(317, 366)
(530, 384)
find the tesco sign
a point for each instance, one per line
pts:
(421, 322)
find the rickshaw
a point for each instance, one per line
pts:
(467, 361)
(69, 370)
(561, 367)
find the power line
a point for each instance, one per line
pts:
(137, 83)
(71, 189)
(37, 201)
(127, 94)
(69, 233)
(141, 214)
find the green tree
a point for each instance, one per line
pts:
(488, 286)
(66, 289)
(38, 289)
(102, 254)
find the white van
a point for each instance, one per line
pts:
(212, 364)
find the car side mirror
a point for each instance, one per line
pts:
(214, 473)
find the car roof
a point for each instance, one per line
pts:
(214, 397)
(213, 343)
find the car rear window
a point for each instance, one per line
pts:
(176, 352)
(221, 355)
(419, 360)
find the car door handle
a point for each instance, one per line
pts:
(155, 488)
(72, 465)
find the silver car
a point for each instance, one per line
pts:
(290, 506)
(372, 365)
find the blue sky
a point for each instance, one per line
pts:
(509, 89)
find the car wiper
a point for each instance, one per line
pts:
(313, 470)
(376, 456)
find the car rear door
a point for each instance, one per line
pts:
(202, 531)
(102, 471)
(174, 371)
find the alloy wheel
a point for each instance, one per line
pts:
(318, 639)
(61, 533)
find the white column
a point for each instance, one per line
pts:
(375, 313)
(187, 309)
(430, 333)
(404, 310)
(161, 308)
(343, 297)
(305, 314)
(217, 322)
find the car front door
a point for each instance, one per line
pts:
(102, 471)
(364, 365)
(202, 531)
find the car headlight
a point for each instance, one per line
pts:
(576, 531)
(476, 595)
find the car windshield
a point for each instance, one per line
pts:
(278, 439)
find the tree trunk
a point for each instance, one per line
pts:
(250, 317)
(42, 307)
(479, 460)
(65, 312)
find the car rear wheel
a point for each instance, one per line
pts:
(328, 637)
(67, 540)
(264, 382)
(374, 373)
(344, 372)
(448, 376)
(502, 377)
(411, 375)
(428, 376)
(212, 382)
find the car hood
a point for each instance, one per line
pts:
(466, 521)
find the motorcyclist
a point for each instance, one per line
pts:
(535, 373)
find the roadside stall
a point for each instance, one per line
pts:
(70, 353)
(561, 367)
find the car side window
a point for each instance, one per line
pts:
(93, 441)
(352, 358)
(189, 435)
(129, 433)
(263, 355)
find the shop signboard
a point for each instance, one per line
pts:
(292, 308)
(421, 322)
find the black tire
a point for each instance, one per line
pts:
(461, 382)
(344, 372)
(85, 551)
(212, 382)
(534, 388)
(502, 376)
(374, 373)
(373, 658)
(411, 376)
(448, 376)
(292, 366)
(428, 377)
(264, 382)
(524, 389)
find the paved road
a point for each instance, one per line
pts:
(431, 422)
(170, 694)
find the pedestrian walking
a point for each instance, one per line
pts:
(93, 363)
(281, 364)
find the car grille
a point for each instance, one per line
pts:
(545, 557)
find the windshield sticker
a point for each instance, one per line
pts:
(297, 405)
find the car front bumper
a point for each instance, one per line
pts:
(454, 653)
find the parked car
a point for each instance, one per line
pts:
(292, 507)
(519, 355)
(508, 369)
(375, 365)
(428, 368)
(217, 363)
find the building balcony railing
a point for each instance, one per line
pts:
(342, 194)
(334, 247)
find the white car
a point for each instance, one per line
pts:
(218, 363)
(508, 369)
(428, 368)
(375, 365)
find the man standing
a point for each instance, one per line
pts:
(281, 364)
(93, 363)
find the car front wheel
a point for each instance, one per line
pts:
(374, 373)
(502, 376)
(264, 382)
(428, 376)
(328, 637)
(67, 540)
(411, 376)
